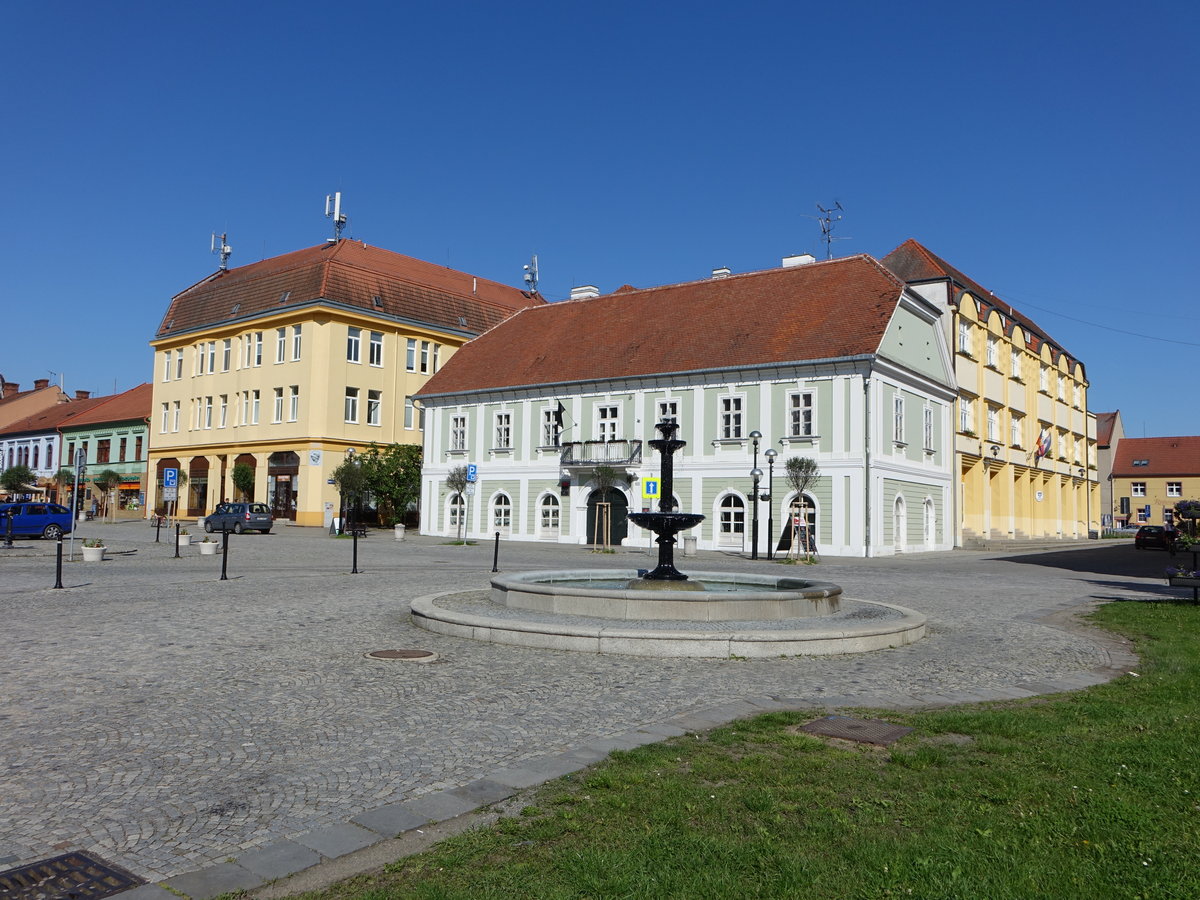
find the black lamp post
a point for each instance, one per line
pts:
(755, 437)
(342, 494)
(770, 454)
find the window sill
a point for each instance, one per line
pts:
(994, 367)
(800, 439)
(456, 452)
(966, 355)
(503, 451)
(1016, 378)
(969, 434)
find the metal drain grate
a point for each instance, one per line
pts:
(72, 876)
(865, 731)
(406, 655)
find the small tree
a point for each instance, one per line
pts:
(393, 478)
(243, 480)
(605, 478)
(456, 483)
(801, 472)
(17, 479)
(106, 482)
(351, 481)
(64, 479)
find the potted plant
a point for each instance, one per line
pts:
(208, 546)
(93, 550)
(185, 537)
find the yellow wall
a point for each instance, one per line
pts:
(1156, 495)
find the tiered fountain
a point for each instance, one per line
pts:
(663, 612)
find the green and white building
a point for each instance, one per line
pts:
(837, 361)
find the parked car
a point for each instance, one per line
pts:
(1158, 537)
(239, 517)
(48, 520)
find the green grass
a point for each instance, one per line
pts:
(1087, 795)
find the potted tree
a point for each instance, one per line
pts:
(93, 550)
(185, 537)
(208, 546)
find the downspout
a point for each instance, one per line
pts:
(867, 464)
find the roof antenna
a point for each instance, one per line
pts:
(223, 248)
(828, 218)
(333, 210)
(531, 275)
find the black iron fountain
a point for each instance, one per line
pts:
(666, 523)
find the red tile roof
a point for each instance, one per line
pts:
(51, 418)
(350, 273)
(823, 310)
(132, 405)
(1105, 422)
(1163, 455)
(911, 261)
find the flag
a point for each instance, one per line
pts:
(1043, 444)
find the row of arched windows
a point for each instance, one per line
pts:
(29, 456)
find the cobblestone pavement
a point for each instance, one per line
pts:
(167, 721)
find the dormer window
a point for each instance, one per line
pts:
(283, 298)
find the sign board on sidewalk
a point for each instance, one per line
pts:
(170, 494)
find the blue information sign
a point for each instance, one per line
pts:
(472, 473)
(170, 477)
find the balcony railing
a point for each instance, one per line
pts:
(598, 453)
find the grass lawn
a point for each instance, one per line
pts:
(1093, 794)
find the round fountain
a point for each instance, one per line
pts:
(663, 612)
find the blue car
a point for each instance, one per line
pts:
(48, 520)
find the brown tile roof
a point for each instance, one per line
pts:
(1163, 455)
(126, 407)
(53, 417)
(823, 310)
(350, 273)
(912, 261)
(1105, 422)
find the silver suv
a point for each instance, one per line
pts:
(239, 517)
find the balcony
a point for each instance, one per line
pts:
(601, 453)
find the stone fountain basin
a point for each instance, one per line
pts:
(730, 597)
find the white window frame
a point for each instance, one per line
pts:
(1043, 379)
(1015, 425)
(898, 419)
(280, 345)
(668, 411)
(1174, 488)
(993, 352)
(293, 402)
(502, 431)
(458, 432)
(167, 366)
(255, 399)
(802, 417)
(993, 423)
(410, 355)
(226, 354)
(212, 357)
(176, 411)
(1015, 364)
(964, 337)
(731, 519)
(375, 349)
(296, 342)
(501, 509)
(247, 349)
(408, 412)
(222, 417)
(608, 422)
(1137, 489)
(927, 427)
(549, 515)
(353, 345)
(732, 410)
(166, 418)
(258, 348)
(966, 414)
(179, 364)
(277, 407)
(208, 408)
(425, 357)
(374, 407)
(350, 409)
(549, 431)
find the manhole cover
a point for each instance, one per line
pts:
(405, 655)
(66, 877)
(865, 731)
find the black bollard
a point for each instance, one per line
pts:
(8, 530)
(157, 527)
(496, 554)
(354, 567)
(58, 566)
(177, 540)
(224, 552)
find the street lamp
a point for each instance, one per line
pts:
(756, 474)
(770, 454)
(755, 437)
(342, 493)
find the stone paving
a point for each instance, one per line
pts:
(214, 735)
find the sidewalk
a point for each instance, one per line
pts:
(215, 735)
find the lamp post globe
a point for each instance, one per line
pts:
(756, 476)
(770, 454)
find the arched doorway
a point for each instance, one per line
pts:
(161, 506)
(548, 518)
(899, 526)
(930, 524)
(502, 513)
(197, 486)
(283, 473)
(731, 521)
(247, 459)
(616, 517)
(801, 516)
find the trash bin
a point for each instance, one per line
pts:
(689, 545)
(399, 532)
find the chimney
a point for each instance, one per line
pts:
(40, 384)
(799, 259)
(11, 388)
(584, 292)
(83, 395)
(722, 272)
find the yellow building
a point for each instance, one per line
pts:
(1025, 442)
(286, 364)
(1151, 475)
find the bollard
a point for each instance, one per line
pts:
(496, 554)
(8, 530)
(157, 527)
(58, 566)
(354, 567)
(224, 552)
(177, 540)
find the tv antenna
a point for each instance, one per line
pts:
(828, 219)
(221, 247)
(333, 210)
(531, 275)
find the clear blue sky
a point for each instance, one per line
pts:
(1046, 149)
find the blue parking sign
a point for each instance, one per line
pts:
(170, 477)
(472, 473)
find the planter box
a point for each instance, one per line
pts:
(185, 540)
(208, 548)
(93, 554)
(1183, 581)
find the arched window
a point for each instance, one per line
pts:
(899, 525)
(457, 509)
(549, 516)
(36, 450)
(930, 524)
(502, 513)
(732, 519)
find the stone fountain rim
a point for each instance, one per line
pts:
(534, 582)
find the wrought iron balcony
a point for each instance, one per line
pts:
(601, 453)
